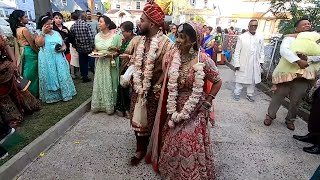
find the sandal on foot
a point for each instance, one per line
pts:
(135, 160)
(268, 120)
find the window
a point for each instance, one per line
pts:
(64, 2)
(6, 13)
(1, 13)
(29, 15)
(138, 5)
(96, 6)
(23, 1)
(193, 2)
(118, 6)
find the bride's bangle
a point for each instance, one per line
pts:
(206, 105)
(211, 95)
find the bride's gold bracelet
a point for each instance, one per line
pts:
(157, 87)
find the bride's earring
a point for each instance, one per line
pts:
(191, 51)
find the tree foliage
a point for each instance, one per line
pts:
(199, 19)
(107, 5)
(297, 9)
(66, 15)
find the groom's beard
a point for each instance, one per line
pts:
(144, 32)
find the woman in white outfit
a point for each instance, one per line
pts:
(74, 54)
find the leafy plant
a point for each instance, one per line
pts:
(107, 5)
(66, 15)
(282, 8)
(199, 19)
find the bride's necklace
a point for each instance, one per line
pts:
(188, 57)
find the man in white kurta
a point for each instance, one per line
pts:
(248, 57)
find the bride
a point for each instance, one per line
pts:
(181, 146)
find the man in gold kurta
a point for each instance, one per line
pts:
(146, 53)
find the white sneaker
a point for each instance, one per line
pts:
(9, 133)
(250, 98)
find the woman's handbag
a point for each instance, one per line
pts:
(139, 118)
(22, 84)
(58, 47)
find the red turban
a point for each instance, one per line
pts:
(154, 12)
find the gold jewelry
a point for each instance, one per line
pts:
(157, 87)
(188, 57)
(211, 95)
(206, 105)
(184, 74)
(191, 51)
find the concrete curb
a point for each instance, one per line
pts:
(303, 113)
(16, 164)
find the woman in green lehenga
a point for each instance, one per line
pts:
(26, 50)
(106, 78)
(123, 99)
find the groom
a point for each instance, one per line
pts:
(147, 51)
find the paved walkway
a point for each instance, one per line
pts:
(100, 146)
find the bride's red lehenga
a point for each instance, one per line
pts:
(185, 151)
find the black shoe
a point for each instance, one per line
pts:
(307, 138)
(85, 80)
(4, 136)
(3, 153)
(312, 150)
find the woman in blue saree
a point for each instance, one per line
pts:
(207, 44)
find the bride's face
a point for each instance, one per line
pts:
(183, 42)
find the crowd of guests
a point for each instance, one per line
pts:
(165, 83)
(213, 41)
(132, 74)
(45, 60)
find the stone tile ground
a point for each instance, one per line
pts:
(100, 146)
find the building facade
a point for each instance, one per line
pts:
(71, 5)
(124, 10)
(128, 5)
(7, 6)
(28, 7)
(185, 10)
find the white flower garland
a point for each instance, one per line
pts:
(142, 86)
(194, 98)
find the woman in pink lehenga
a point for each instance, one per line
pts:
(180, 143)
